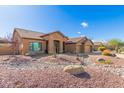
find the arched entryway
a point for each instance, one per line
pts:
(56, 46)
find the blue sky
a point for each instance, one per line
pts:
(99, 22)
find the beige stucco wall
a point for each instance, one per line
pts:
(51, 38)
(18, 42)
(26, 42)
(79, 47)
(95, 47)
(87, 49)
(88, 46)
(71, 48)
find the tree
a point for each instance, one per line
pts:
(8, 37)
(115, 44)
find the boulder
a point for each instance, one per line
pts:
(100, 60)
(74, 69)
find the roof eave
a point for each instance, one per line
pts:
(33, 38)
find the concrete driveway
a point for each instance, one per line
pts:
(120, 55)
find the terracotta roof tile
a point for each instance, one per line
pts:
(97, 43)
(75, 40)
(54, 32)
(28, 33)
(33, 34)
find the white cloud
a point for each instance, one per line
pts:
(84, 24)
(79, 32)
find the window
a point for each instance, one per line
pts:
(35, 46)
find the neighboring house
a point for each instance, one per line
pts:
(79, 45)
(96, 45)
(31, 41)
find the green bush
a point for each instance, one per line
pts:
(101, 48)
(103, 61)
(108, 62)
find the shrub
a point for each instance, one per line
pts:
(108, 62)
(107, 53)
(100, 60)
(101, 48)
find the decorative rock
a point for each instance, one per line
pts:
(74, 69)
(100, 59)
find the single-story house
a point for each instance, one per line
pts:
(28, 41)
(96, 45)
(79, 45)
(31, 41)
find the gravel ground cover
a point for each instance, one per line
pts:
(24, 71)
(117, 66)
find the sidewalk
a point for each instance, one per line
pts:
(120, 55)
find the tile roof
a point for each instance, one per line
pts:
(33, 34)
(97, 43)
(75, 40)
(54, 32)
(28, 33)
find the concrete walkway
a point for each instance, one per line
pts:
(120, 55)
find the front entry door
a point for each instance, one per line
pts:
(46, 47)
(56, 46)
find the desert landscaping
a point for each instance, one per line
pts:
(47, 71)
(62, 46)
(60, 62)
